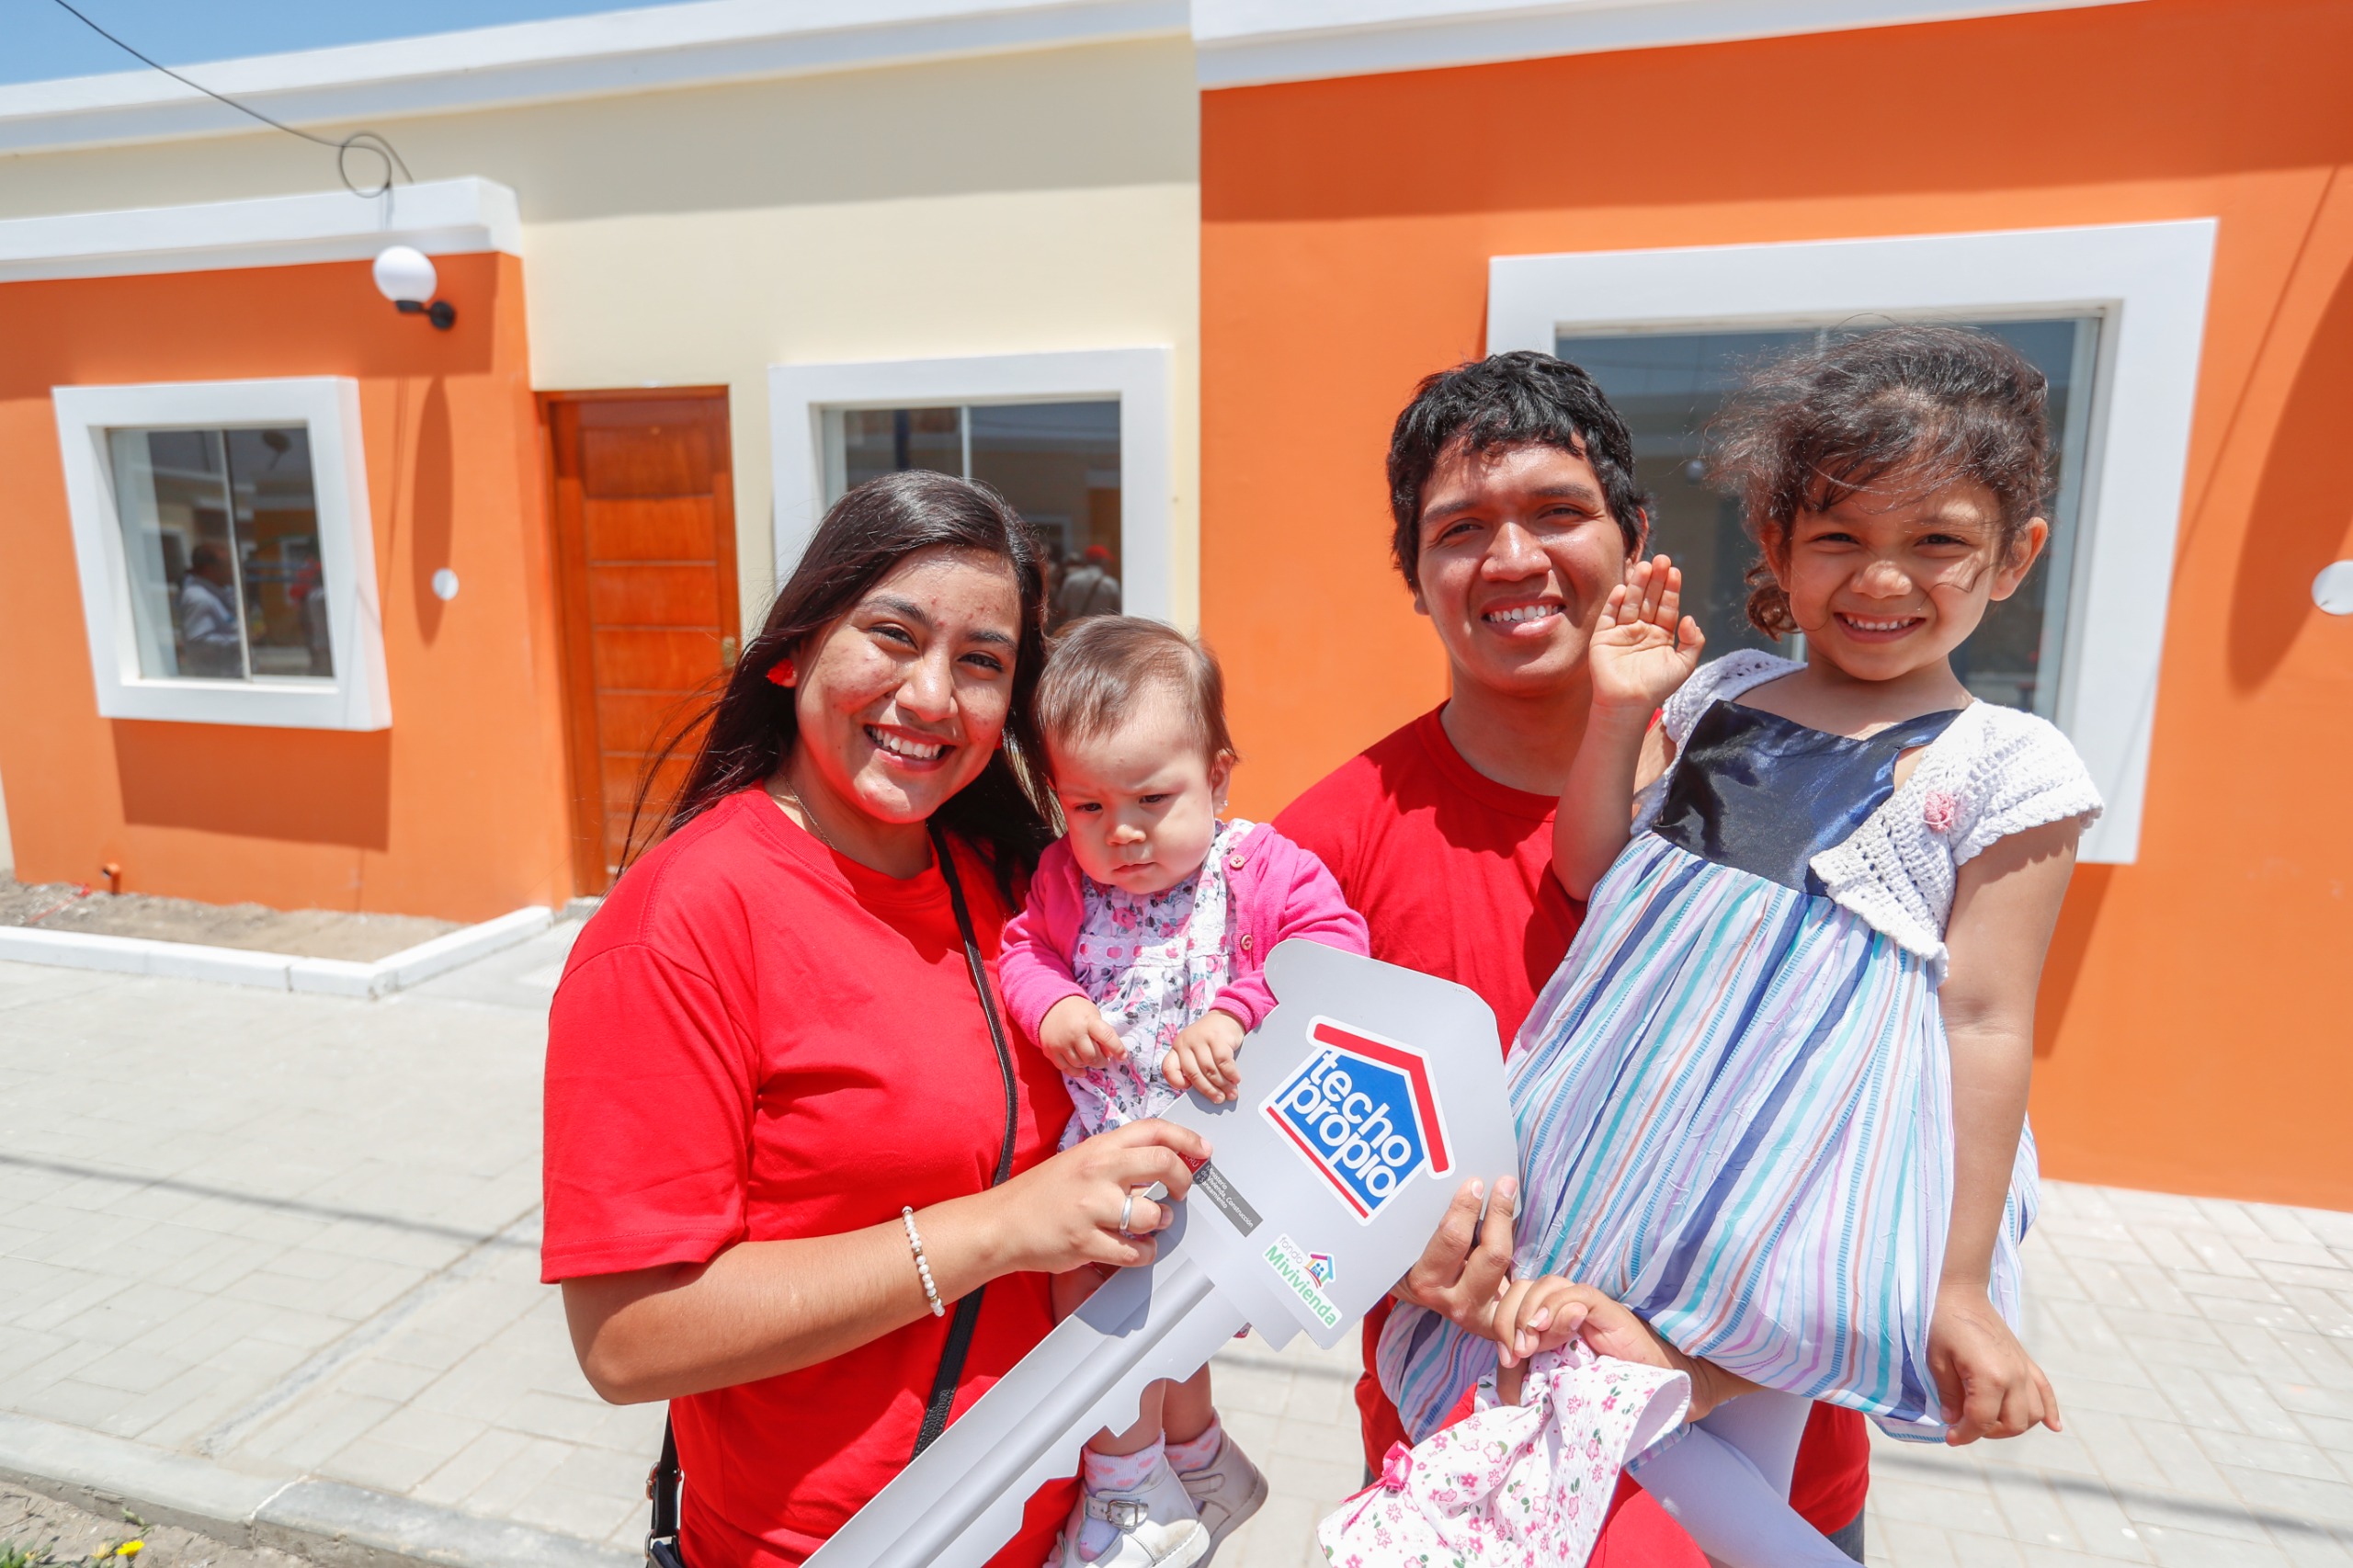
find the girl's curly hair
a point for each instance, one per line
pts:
(1932, 405)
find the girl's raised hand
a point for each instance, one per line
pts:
(1643, 646)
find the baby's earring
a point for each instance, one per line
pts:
(781, 673)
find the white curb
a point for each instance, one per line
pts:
(329, 1522)
(273, 971)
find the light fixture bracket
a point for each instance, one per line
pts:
(440, 313)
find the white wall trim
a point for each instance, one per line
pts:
(618, 52)
(447, 217)
(1139, 378)
(2147, 282)
(1243, 42)
(359, 697)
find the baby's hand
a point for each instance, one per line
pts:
(1202, 1057)
(1643, 646)
(1990, 1386)
(1074, 1034)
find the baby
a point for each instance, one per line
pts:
(1137, 967)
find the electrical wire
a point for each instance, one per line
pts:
(363, 141)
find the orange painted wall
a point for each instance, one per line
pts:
(455, 811)
(2196, 1034)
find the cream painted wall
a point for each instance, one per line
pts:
(916, 277)
(1011, 204)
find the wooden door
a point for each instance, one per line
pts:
(646, 553)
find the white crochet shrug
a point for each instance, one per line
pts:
(1993, 772)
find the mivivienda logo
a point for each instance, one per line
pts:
(1361, 1112)
(1295, 1267)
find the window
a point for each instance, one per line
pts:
(1078, 441)
(2121, 309)
(1057, 463)
(1669, 386)
(221, 535)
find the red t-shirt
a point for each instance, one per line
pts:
(1453, 873)
(757, 1039)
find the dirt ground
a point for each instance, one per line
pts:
(35, 1530)
(307, 933)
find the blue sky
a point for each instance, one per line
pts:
(38, 41)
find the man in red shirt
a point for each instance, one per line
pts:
(1516, 510)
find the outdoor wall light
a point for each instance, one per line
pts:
(2333, 589)
(405, 276)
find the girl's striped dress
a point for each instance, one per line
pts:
(1734, 1097)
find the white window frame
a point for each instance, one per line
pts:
(799, 396)
(2148, 285)
(359, 696)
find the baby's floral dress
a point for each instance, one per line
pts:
(1524, 1485)
(1152, 964)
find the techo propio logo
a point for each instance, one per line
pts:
(1362, 1111)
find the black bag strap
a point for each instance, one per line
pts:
(662, 1491)
(968, 1310)
(661, 1486)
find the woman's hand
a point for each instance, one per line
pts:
(1643, 646)
(1202, 1057)
(1065, 1213)
(1544, 1314)
(1074, 1035)
(1539, 1314)
(1990, 1386)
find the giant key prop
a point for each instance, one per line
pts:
(1369, 1096)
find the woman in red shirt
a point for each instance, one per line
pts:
(786, 1137)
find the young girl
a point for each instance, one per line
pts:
(1137, 967)
(1774, 1100)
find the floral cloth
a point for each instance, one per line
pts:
(1150, 964)
(1522, 1485)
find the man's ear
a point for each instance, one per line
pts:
(1221, 776)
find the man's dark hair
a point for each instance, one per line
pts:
(1520, 399)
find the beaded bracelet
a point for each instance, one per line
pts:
(923, 1265)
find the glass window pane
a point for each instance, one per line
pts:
(276, 522)
(1669, 386)
(1059, 464)
(865, 443)
(220, 534)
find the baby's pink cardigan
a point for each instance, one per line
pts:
(1278, 891)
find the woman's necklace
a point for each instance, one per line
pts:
(808, 818)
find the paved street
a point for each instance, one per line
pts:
(296, 1234)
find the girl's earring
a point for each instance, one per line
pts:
(782, 673)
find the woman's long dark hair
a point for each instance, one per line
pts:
(748, 728)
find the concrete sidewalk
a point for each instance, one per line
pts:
(274, 1255)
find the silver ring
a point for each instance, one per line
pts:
(1127, 1212)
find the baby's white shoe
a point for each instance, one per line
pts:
(1225, 1492)
(1156, 1524)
